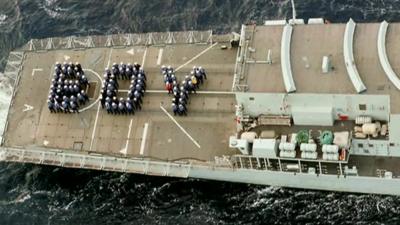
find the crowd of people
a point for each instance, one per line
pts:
(181, 91)
(68, 88)
(133, 102)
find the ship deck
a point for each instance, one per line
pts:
(309, 43)
(148, 133)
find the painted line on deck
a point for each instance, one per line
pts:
(160, 54)
(94, 127)
(109, 58)
(198, 92)
(197, 56)
(144, 137)
(36, 70)
(180, 127)
(125, 150)
(144, 58)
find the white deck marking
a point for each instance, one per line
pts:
(197, 56)
(144, 58)
(131, 51)
(27, 108)
(180, 127)
(159, 58)
(36, 70)
(94, 127)
(198, 92)
(66, 57)
(109, 58)
(125, 150)
(144, 137)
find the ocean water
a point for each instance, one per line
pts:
(32, 194)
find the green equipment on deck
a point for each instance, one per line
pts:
(326, 137)
(302, 136)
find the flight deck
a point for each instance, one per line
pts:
(147, 133)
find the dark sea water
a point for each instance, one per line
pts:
(32, 194)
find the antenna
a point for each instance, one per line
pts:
(293, 11)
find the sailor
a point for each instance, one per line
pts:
(184, 97)
(185, 92)
(64, 107)
(82, 100)
(71, 65)
(163, 69)
(57, 70)
(85, 81)
(142, 76)
(70, 72)
(128, 73)
(107, 71)
(50, 105)
(114, 108)
(133, 77)
(203, 72)
(121, 74)
(142, 83)
(73, 99)
(122, 64)
(58, 65)
(166, 78)
(83, 93)
(175, 109)
(129, 66)
(114, 83)
(115, 70)
(182, 101)
(194, 82)
(135, 71)
(110, 87)
(139, 89)
(173, 78)
(57, 107)
(168, 87)
(108, 107)
(71, 89)
(141, 72)
(170, 69)
(76, 88)
(129, 107)
(64, 70)
(121, 108)
(74, 107)
(78, 67)
(182, 110)
(130, 94)
(138, 96)
(191, 87)
(136, 65)
(137, 104)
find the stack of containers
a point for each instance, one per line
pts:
(308, 150)
(287, 150)
(330, 152)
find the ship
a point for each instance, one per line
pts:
(289, 103)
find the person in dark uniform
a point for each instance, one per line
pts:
(175, 109)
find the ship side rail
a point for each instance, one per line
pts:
(383, 58)
(349, 57)
(120, 40)
(295, 165)
(95, 161)
(285, 59)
